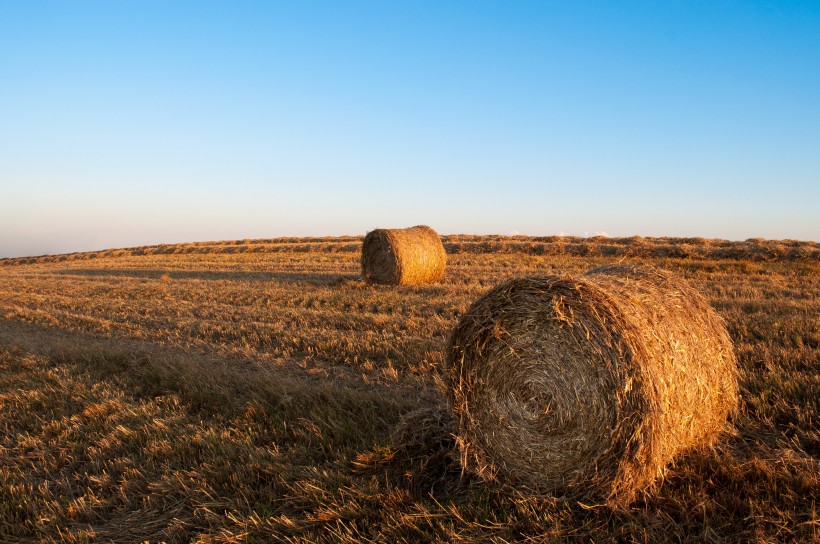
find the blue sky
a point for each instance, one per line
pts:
(136, 122)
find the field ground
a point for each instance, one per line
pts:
(260, 391)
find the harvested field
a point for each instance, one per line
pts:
(262, 390)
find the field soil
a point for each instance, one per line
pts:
(260, 390)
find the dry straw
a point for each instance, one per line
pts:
(403, 256)
(589, 386)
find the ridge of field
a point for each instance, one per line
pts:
(204, 392)
(634, 246)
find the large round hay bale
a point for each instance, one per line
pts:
(589, 386)
(403, 256)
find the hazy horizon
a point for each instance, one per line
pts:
(149, 242)
(141, 123)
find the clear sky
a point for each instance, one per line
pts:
(135, 122)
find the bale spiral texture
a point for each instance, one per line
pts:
(403, 256)
(589, 386)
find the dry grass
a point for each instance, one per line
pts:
(589, 385)
(273, 395)
(411, 256)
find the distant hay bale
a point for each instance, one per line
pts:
(589, 386)
(403, 256)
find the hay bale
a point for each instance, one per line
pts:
(589, 386)
(403, 256)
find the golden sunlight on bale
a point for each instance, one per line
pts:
(403, 256)
(588, 386)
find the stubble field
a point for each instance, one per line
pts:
(259, 390)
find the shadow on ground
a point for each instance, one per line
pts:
(309, 278)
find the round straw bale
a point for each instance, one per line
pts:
(588, 386)
(403, 256)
